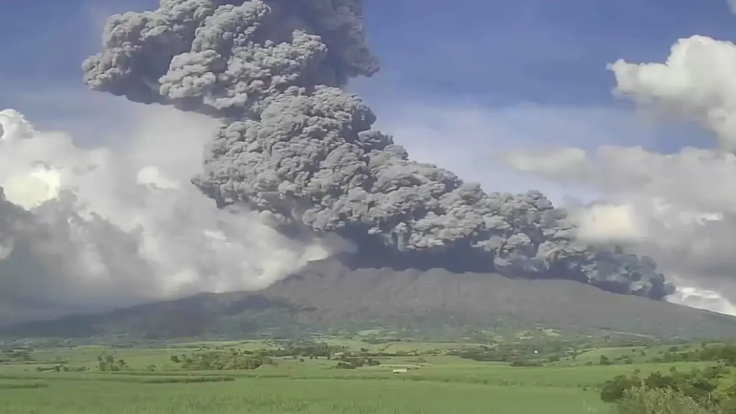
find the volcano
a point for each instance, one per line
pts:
(331, 294)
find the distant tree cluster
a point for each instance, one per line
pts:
(349, 362)
(108, 363)
(303, 349)
(234, 359)
(521, 353)
(60, 368)
(723, 353)
(16, 356)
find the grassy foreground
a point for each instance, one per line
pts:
(249, 395)
(150, 383)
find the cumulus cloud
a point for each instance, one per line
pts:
(85, 229)
(679, 207)
(696, 83)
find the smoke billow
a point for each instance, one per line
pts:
(294, 145)
(89, 229)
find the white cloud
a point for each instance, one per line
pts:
(468, 138)
(696, 82)
(680, 207)
(119, 224)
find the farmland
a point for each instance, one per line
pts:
(400, 378)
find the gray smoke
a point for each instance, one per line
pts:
(294, 144)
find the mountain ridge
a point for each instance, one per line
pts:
(330, 293)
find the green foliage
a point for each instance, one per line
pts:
(527, 348)
(306, 349)
(705, 387)
(233, 359)
(14, 356)
(525, 363)
(59, 368)
(151, 379)
(108, 363)
(723, 353)
(699, 385)
(347, 362)
(616, 388)
(645, 400)
(700, 391)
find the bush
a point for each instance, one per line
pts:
(642, 400)
(615, 389)
(699, 385)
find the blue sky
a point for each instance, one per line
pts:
(458, 79)
(532, 50)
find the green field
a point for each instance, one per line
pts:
(150, 383)
(282, 395)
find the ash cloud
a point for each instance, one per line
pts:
(295, 146)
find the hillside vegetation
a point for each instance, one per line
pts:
(329, 296)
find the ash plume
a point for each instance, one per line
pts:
(294, 145)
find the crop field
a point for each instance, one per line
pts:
(282, 395)
(151, 384)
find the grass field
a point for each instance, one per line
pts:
(434, 384)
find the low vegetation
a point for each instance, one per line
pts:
(528, 372)
(232, 359)
(699, 390)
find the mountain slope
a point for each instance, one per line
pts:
(328, 293)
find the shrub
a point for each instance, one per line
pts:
(642, 400)
(615, 389)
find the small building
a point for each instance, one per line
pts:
(399, 370)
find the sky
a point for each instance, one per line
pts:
(490, 55)
(481, 88)
(494, 65)
(498, 56)
(498, 63)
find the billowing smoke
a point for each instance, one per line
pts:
(90, 229)
(294, 145)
